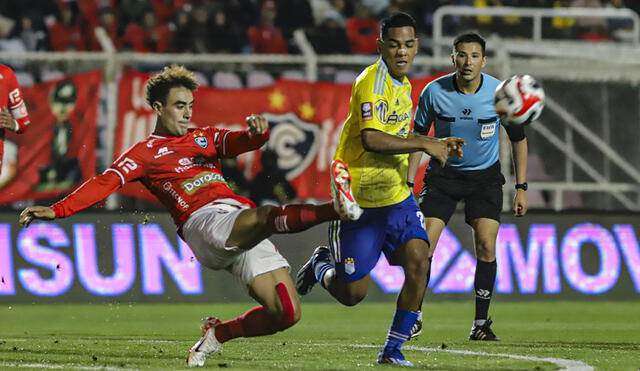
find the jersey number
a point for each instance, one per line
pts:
(127, 165)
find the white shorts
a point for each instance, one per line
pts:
(206, 232)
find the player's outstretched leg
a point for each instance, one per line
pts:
(313, 270)
(343, 201)
(207, 345)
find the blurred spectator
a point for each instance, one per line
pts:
(107, 21)
(32, 38)
(181, 27)
(166, 9)
(270, 185)
(148, 36)
(242, 13)
(450, 24)
(591, 29)
(292, 15)
(65, 33)
(329, 37)
(362, 31)
(7, 42)
(344, 7)
(224, 36)
(200, 24)
(132, 11)
(376, 7)
(267, 37)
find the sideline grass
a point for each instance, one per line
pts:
(156, 336)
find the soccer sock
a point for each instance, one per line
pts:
(399, 331)
(299, 217)
(484, 281)
(255, 322)
(320, 268)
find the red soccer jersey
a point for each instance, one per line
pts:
(182, 172)
(11, 98)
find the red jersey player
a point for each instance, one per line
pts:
(13, 111)
(181, 167)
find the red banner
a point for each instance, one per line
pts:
(305, 120)
(58, 150)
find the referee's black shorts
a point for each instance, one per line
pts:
(481, 191)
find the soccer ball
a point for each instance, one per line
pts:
(519, 100)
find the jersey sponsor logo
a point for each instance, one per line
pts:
(168, 187)
(189, 162)
(349, 266)
(127, 165)
(295, 142)
(163, 151)
(185, 161)
(381, 110)
(395, 118)
(201, 180)
(367, 111)
(201, 140)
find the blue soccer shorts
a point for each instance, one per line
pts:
(356, 245)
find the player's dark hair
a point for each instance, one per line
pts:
(172, 76)
(469, 37)
(399, 19)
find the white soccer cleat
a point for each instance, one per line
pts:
(207, 345)
(343, 201)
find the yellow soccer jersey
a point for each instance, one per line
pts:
(377, 102)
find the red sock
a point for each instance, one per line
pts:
(297, 218)
(255, 322)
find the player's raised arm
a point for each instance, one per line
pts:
(233, 143)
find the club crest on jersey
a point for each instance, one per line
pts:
(349, 266)
(201, 140)
(294, 141)
(381, 110)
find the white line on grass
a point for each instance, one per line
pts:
(65, 367)
(568, 364)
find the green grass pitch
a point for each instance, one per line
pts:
(536, 336)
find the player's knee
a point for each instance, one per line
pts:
(352, 298)
(264, 213)
(485, 251)
(289, 311)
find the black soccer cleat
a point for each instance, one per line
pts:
(416, 330)
(483, 332)
(306, 277)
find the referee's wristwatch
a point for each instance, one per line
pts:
(523, 186)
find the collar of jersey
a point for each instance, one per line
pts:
(396, 82)
(455, 84)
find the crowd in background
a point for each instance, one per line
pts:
(261, 26)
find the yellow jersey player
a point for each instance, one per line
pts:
(375, 144)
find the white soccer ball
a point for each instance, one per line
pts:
(519, 100)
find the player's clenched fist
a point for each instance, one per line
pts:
(258, 124)
(36, 212)
(7, 121)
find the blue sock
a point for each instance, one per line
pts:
(320, 268)
(399, 332)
